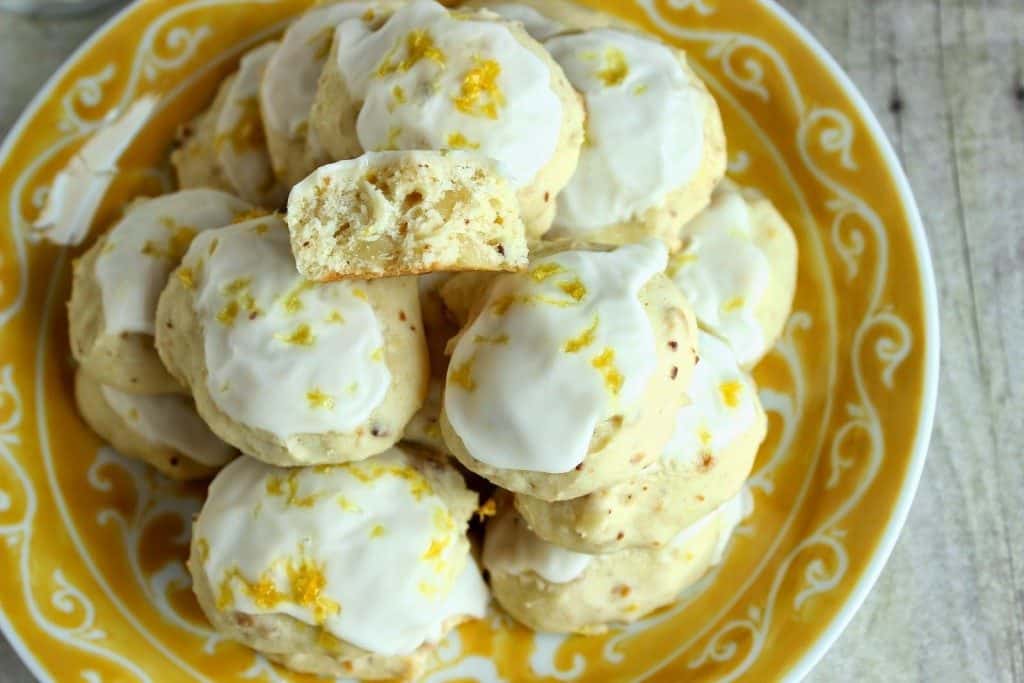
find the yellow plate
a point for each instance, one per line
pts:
(92, 585)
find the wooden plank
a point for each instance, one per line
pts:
(31, 50)
(945, 79)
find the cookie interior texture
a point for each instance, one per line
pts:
(400, 213)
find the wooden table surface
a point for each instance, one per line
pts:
(946, 78)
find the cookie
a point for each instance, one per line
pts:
(240, 143)
(549, 588)
(438, 324)
(424, 429)
(704, 464)
(290, 80)
(462, 291)
(545, 18)
(569, 377)
(655, 146)
(162, 430)
(354, 570)
(388, 214)
(737, 267)
(428, 79)
(116, 283)
(195, 155)
(338, 368)
(538, 25)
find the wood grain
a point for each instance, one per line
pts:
(946, 78)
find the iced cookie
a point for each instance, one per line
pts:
(704, 464)
(354, 570)
(545, 18)
(239, 140)
(464, 290)
(737, 267)
(428, 79)
(538, 25)
(289, 84)
(569, 377)
(336, 369)
(163, 430)
(654, 147)
(195, 155)
(116, 283)
(386, 214)
(424, 428)
(438, 324)
(549, 588)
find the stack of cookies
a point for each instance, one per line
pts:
(430, 266)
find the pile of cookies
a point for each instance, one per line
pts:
(435, 275)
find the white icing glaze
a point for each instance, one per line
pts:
(290, 78)
(554, 351)
(171, 421)
(538, 25)
(511, 547)
(79, 187)
(239, 140)
(724, 274)
(645, 127)
(146, 245)
(312, 353)
(447, 52)
(723, 404)
(366, 550)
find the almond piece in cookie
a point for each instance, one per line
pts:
(387, 214)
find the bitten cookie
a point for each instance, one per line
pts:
(655, 146)
(549, 588)
(338, 368)
(569, 377)
(117, 282)
(163, 430)
(386, 214)
(290, 80)
(355, 570)
(738, 268)
(428, 79)
(704, 464)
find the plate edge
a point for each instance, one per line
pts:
(929, 294)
